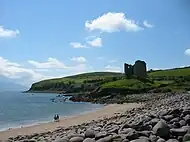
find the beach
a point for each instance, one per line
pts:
(105, 112)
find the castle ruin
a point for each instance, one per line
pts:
(138, 69)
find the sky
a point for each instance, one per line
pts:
(46, 39)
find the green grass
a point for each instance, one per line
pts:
(129, 84)
(116, 80)
(94, 75)
(171, 72)
(74, 80)
(164, 82)
(86, 76)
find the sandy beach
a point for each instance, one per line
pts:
(106, 111)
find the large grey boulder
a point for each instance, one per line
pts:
(89, 133)
(76, 139)
(161, 129)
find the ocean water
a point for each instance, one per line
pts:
(24, 109)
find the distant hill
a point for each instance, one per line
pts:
(104, 87)
(88, 82)
(171, 72)
(7, 84)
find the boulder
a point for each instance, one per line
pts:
(75, 135)
(140, 140)
(168, 117)
(76, 139)
(101, 135)
(182, 123)
(160, 140)
(132, 135)
(178, 132)
(65, 139)
(161, 129)
(153, 138)
(89, 133)
(105, 139)
(186, 138)
(89, 140)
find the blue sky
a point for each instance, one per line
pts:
(45, 39)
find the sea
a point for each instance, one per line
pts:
(19, 109)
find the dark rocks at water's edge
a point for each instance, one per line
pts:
(162, 118)
(117, 98)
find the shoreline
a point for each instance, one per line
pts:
(31, 123)
(105, 112)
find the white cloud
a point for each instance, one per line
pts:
(56, 65)
(8, 33)
(51, 63)
(52, 68)
(16, 71)
(187, 52)
(112, 68)
(97, 42)
(79, 59)
(43, 70)
(112, 22)
(77, 45)
(147, 25)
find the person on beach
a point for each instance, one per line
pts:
(57, 118)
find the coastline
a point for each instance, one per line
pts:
(105, 112)
(54, 92)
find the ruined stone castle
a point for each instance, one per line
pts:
(138, 69)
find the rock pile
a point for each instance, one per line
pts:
(163, 118)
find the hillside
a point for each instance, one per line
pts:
(84, 82)
(177, 72)
(98, 86)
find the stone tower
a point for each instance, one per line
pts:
(139, 69)
(128, 69)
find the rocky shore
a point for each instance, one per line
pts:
(162, 118)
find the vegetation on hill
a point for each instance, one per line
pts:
(76, 83)
(177, 72)
(98, 86)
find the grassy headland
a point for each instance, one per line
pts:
(103, 86)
